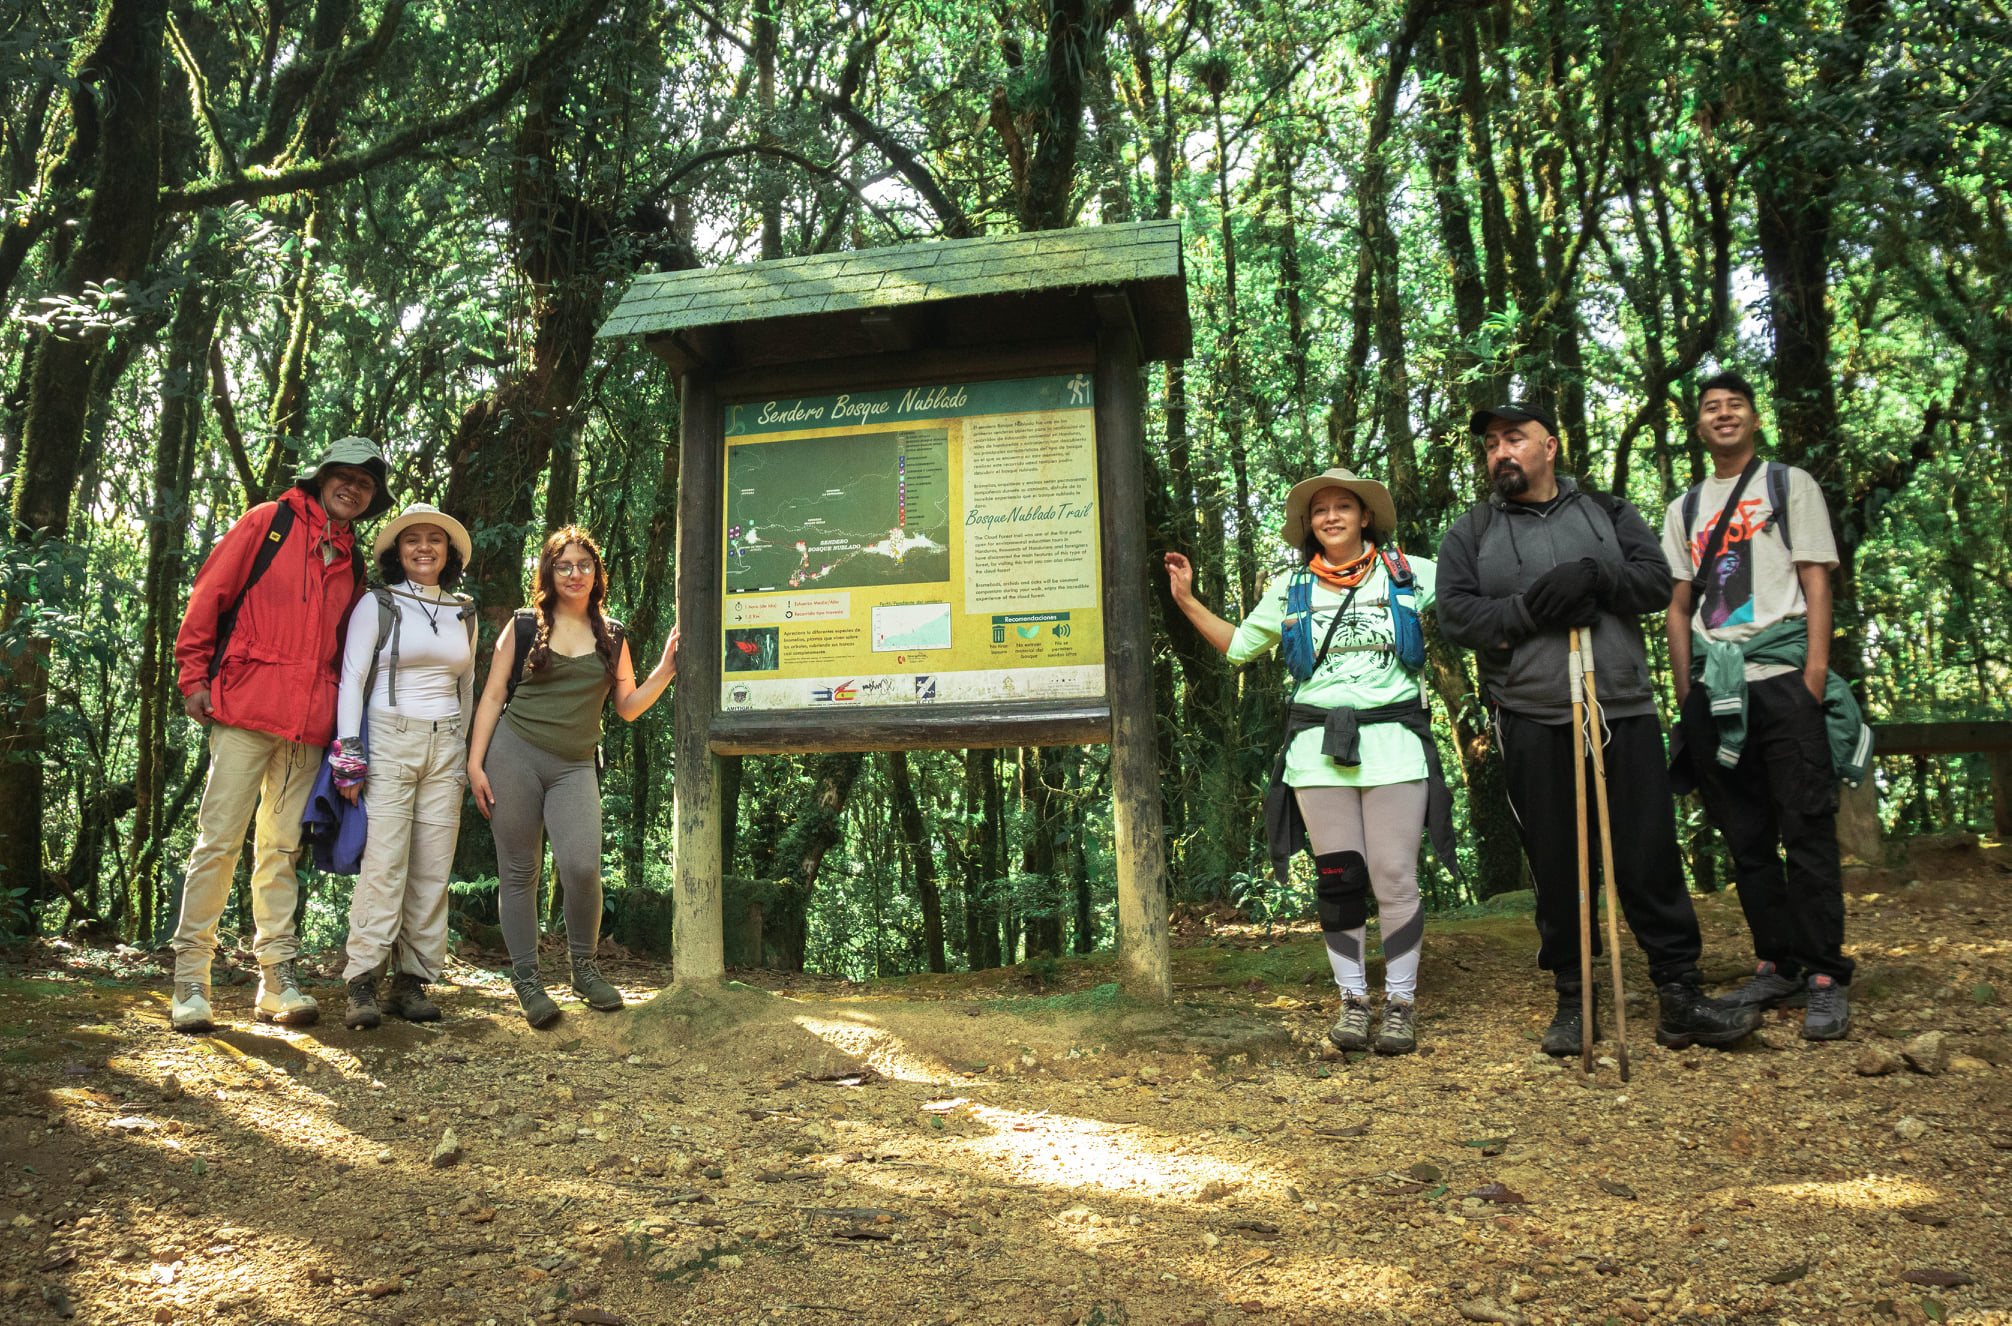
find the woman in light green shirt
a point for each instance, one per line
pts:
(1363, 818)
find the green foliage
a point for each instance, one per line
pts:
(1568, 201)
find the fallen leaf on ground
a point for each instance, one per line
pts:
(1937, 1279)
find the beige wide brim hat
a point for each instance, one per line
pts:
(1375, 499)
(422, 513)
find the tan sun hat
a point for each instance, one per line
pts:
(1375, 499)
(424, 513)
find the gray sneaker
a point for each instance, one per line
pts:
(1396, 1035)
(1351, 1030)
(599, 992)
(280, 998)
(1766, 988)
(1829, 1014)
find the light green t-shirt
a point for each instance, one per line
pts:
(1351, 678)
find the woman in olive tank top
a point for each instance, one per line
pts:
(531, 765)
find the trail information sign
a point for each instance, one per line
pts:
(911, 516)
(928, 545)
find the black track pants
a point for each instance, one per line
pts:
(1781, 798)
(1537, 757)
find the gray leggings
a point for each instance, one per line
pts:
(539, 795)
(1384, 824)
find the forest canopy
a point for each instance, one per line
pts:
(233, 230)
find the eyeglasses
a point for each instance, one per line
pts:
(572, 568)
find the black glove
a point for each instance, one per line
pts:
(1566, 595)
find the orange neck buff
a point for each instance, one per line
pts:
(1347, 576)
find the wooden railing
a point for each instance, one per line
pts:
(1858, 821)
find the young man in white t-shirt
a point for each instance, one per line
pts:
(1770, 573)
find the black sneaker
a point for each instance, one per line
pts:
(1690, 1015)
(1829, 1015)
(1562, 1038)
(1766, 988)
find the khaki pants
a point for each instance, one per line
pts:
(247, 770)
(418, 768)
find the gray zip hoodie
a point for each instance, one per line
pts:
(1483, 574)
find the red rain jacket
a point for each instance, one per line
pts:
(280, 669)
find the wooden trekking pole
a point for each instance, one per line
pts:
(1575, 674)
(1597, 721)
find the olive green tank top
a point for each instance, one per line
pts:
(558, 708)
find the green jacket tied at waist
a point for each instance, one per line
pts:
(1720, 667)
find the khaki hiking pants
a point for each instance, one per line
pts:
(248, 770)
(412, 802)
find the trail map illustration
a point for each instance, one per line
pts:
(840, 512)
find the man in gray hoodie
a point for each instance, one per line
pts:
(1538, 557)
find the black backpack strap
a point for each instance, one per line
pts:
(1691, 498)
(1718, 539)
(227, 620)
(524, 634)
(1777, 500)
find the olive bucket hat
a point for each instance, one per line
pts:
(1375, 499)
(360, 453)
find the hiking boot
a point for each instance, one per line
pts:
(1829, 1015)
(1565, 1036)
(1396, 1036)
(1766, 988)
(280, 999)
(590, 985)
(362, 1014)
(190, 1010)
(1689, 1014)
(407, 999)
(539, 1009)
(1351, 1028)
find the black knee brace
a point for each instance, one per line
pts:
(1341, 895)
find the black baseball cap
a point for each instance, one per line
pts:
(1515, 412)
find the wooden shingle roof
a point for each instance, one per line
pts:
(1143, 258)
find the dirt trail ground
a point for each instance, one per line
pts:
(979, 1150)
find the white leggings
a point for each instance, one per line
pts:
(1384, 824)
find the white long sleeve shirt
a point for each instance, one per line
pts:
(436, 667)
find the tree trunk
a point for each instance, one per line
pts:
(123, 69)
(818, 829)
(190, 340)
(927, 891)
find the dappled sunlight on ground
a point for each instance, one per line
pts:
(1005, 1159)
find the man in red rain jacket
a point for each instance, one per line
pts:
(257, 657)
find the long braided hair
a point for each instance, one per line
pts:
(540, 657)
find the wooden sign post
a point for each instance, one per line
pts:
(911, 517)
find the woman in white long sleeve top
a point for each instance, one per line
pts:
(411, 779)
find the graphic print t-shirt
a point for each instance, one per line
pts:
(1754, 584)
(1352, 676)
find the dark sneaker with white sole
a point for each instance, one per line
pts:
(1829, 1015)
(1766, 988)
(1351, 1029)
